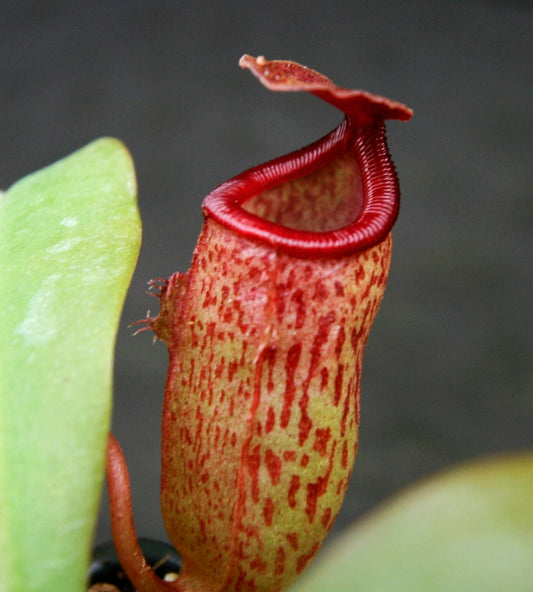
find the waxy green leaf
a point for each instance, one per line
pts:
(69, 240)
(469, 529)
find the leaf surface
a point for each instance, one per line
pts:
(469, 529)
(69, 240)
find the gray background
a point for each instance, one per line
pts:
(448, 371)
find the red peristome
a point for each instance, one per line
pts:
(362, 133)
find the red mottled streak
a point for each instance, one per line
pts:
(322, 437)
(270, 358)
(344, 458)
(266, 334)
(279, 562)
(270, 421)
(326, 517)
(324, 325)
(293, 356)
(318, 488)
(289, 455)
(292, 537)
(273, 465)
(254, 463)
(259, 565)
(293, 490)
(268, 511)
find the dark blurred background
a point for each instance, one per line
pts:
(449, 366)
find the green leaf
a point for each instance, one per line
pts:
(69, 240)
(467, 530)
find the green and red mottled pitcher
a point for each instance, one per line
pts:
(266, 333)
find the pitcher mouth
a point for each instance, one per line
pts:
(374, 209)
(334, 197)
